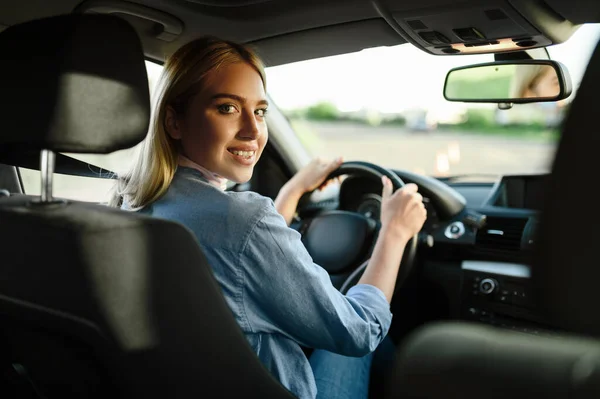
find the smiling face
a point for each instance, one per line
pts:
(224, 128)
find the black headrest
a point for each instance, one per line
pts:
(478, 361)
(73, 83)
(567, 267)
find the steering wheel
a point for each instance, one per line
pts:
(342, 240)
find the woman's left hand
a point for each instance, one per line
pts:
(312, 176)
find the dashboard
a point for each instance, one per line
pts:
(481, 272)
(494, 269)
(519, 192)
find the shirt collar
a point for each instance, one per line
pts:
(212, 178)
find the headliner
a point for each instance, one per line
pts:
(282, 30)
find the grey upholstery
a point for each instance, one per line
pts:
(96, 302)
(474, 361)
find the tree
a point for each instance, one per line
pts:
(323, 111)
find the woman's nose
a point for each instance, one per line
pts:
(250, 128)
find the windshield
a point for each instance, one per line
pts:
(385, 105)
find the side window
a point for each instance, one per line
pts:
(89, 188)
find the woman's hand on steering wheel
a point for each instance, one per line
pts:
(309, 178)
(403, 212)
(314, 175)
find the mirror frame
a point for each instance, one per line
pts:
(564, 81)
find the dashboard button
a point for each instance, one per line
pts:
(455, 230)
(487, 286)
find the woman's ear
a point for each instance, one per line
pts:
(172, 124)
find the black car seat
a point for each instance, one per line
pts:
(96, 302)
(465, 360)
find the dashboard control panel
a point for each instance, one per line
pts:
(499, 294)
(500, 290)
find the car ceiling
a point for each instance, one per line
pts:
(290, 30)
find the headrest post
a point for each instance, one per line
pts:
(47, 160)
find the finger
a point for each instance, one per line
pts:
(410, 188)
(328, 182)
(325, 185)
(387, 187)
(333, 165)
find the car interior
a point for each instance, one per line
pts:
(495, 296)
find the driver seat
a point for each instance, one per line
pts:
(97, 302)
(477, 361)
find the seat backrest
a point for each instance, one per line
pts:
(96, 302)
(475, 361)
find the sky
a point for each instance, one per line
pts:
(395, 79)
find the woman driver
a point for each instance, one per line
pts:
(208, 125)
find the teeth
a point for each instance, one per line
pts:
(243, 153)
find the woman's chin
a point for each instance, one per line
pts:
(240, 178)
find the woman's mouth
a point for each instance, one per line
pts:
(244, 157)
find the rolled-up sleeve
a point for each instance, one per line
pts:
(285, 292)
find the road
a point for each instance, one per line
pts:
(433, 153)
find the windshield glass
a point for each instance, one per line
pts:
(385, 105)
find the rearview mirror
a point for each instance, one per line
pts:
(509, 82)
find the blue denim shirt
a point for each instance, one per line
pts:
(278, 296)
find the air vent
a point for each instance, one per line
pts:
(495, 15)
(416, 24)
(500, 236)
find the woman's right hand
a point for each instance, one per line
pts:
(402, 212)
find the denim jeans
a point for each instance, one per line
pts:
(343, 377)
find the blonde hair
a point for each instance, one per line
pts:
(184, 75)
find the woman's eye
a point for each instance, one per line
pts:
(226, 108)
(261, 112)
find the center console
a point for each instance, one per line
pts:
(499, 294)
